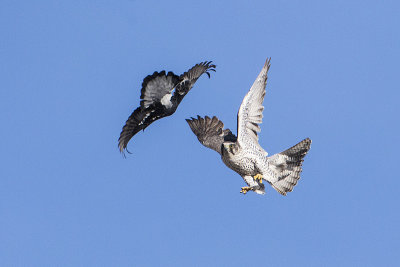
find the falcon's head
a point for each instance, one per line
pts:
(229, 148)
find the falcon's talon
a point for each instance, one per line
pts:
(245, 190)
(258, 177)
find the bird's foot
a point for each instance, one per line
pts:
(245, 190)
(258, 177)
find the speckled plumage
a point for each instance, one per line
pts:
(243, 154)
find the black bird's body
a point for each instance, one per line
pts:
(160, 96)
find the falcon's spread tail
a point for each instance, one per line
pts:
(286, 166)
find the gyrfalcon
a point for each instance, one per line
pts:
(243, 154)
(160, 97)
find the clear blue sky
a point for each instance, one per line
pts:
(71, 73)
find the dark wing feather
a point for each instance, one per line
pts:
(211, 132)
(188, 79)
(131, 128)
(156, 86)
(139, 120)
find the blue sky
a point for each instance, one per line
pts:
(71, 73)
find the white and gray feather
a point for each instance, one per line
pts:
(251, 112)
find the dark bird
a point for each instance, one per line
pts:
(160, 97)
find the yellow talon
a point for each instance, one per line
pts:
(258, 177)
(245, 189)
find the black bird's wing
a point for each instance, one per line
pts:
(157, 99)
(188, 79)
(139, 120)
(157, 86)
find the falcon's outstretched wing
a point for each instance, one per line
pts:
(250, 111)
(211, 132)
(188, 78)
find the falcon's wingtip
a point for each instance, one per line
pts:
(267, 63)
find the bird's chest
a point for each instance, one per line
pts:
(243, 164)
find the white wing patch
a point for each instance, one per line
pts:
(156, 87)
(166, 100)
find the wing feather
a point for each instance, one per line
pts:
(156, 86)
(251, 111)
(139, 120)
(188, 79)
(131, 127)
(210, 132)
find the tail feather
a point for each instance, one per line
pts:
(286, 166)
